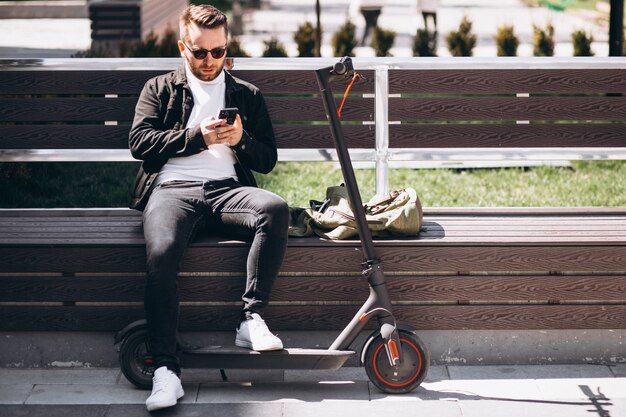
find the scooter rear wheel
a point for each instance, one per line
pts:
(408, 375)
(135, 359)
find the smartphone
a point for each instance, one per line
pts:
(229, 114)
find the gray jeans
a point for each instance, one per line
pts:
(172, 216)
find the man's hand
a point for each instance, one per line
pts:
(216, 131)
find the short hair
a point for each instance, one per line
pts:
(203, 15)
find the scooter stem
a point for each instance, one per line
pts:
(372, 269)
(324, 76)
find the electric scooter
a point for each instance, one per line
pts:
(395, 359)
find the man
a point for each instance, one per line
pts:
(196, 171)
(429, 9)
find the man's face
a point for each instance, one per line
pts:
(209, 68)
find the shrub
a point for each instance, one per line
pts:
(145, 48)
(425, 43)
(169, 44)
(543, 40)
(149, 47)
(94, 52)
(152, 47)
(235, 50)
(506, 41)
(382, 41)
(305, 39)
(463, 41)
(582, 43)
(344, 40)
(274, 48)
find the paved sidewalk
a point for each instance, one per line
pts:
(454, 391)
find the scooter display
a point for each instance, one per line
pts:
(395, 359)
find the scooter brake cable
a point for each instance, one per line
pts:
(345, 95)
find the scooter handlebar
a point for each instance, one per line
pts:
(343, 67)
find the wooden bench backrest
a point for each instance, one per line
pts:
(89, 103)
(505, 108)
(92, 108)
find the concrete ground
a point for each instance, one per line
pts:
(449, 391)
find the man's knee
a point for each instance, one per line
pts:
(276, 211)
(163, 253)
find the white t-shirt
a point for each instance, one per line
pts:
(218, 161)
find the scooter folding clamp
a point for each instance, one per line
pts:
(368, 266)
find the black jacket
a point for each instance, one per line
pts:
(158, 132)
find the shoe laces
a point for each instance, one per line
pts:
(258, 326)
(161, 384)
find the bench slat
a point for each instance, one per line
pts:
(429, 230)
(296, 81)
(132, 81)
(498, 213)
(64, 136)
(65, 229)
(122, 109)
(481, 81)
(116, 137)
(324, 317)
(94, 236)
(437, 237)
(440, 239)
(581, 222)
(75, 82)
(309, 109)
(68, 109)
(312, 288)
(417, 255)
(506, 135)
(508, 108)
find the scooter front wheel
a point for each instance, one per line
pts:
(135, 359)
(401, 379)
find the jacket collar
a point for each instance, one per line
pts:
(180, 78)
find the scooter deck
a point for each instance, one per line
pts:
(232, 357)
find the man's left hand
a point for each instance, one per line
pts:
(230, 134)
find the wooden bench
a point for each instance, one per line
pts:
(470, 268)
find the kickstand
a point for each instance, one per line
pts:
(224, 377)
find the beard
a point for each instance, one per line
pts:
(206, 71)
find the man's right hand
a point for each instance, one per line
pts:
(216, 131)
(209, 131)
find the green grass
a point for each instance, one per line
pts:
(82, 184)
(66, 184)
(597, 183)
(572, 4)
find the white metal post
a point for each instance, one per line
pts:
(382, 130)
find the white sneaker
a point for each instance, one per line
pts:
(254, 334)
(166, 390)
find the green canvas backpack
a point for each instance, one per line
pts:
(398, 213)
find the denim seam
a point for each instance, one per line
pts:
(256, 266)
(192, 230)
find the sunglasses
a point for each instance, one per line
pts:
(216, 53)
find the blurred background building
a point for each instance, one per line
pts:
(61, 28)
